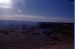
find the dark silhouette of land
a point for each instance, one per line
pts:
(45, 35)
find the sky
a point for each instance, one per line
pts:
(37, 10)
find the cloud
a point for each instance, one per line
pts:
(36, 18)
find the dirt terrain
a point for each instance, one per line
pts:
(35, 39)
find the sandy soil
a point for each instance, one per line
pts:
(18, 40)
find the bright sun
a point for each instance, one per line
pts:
(5, 3)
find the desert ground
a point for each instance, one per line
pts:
(53, 37)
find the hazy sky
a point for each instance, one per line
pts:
(37, 10)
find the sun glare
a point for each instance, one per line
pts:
(5, 3)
